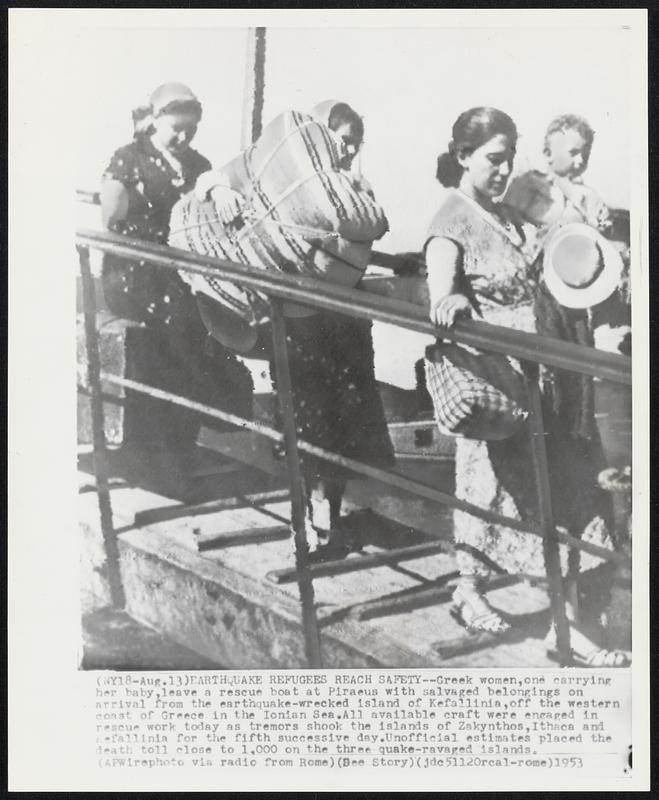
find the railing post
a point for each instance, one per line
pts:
(254, 88)
(298, 499)
(98, 431)
(549, 538)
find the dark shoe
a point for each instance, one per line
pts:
(332, 551)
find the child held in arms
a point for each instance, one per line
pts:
(558, 195)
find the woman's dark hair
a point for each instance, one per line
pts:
(142, 121)
(143, 115)
(181, 107)
(343, 114)
(471, 130)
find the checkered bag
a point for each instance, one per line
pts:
(475, 395)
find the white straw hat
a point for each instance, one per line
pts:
(580, 267)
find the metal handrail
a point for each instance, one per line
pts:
(378, 258)
(321, 294)
(531, 349)
(394, 479)
(88, 196)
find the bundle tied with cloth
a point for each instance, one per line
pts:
(285, 204)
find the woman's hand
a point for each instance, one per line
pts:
(207, 181)
(451, 308)
(228, 203)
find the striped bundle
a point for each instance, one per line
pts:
(302, 214)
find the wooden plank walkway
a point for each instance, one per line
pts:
(423, 629)
(419, 621)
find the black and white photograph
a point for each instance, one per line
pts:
(473, 508)
(353, 315)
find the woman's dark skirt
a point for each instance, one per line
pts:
(337, 403)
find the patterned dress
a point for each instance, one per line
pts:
(337, 403)
(498, 475)
(171, 349)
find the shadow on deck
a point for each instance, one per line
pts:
(225, 605)
(223, 602)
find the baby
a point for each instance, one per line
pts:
(558, 195)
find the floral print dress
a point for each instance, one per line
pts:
(336, 399)
(498, 475)
(171, 349)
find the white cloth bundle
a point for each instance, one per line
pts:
(300, 214)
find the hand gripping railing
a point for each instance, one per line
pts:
(531, 349)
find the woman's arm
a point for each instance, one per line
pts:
(446, 302)
(229, 203)
(114, 202)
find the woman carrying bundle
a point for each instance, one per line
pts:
(314, 217)
(337, 403)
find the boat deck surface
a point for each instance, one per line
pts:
(405, 603)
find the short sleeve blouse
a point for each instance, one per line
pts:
(494, 265)
(154, 186)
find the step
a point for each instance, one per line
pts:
(220, 604)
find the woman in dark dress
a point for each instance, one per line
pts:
(171, 349)
(337, 403)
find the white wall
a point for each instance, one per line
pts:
(409, 83)
(118, 69)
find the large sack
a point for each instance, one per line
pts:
(302, 214)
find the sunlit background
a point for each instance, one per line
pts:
(409, 84)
